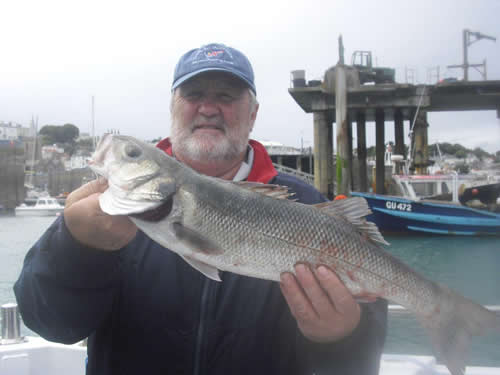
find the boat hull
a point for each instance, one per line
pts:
(30, 211)
(401, 215)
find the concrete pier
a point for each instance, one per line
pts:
(399, 137)
(323, 153)
(361, 136)
(343, 137)
(420, 144)
(380, 150)
(332, 99)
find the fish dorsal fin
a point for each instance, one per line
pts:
(206, 269)
(354, 211)
(270, 190)
(354, 208)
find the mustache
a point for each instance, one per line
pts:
(208, 124)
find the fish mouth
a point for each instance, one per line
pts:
(97, 168)
(96, 163)
(156, 214)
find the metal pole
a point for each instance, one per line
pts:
(341, 50)
(11, 324)
(93, 124)
(466, 62)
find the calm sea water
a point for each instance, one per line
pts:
(469, 265)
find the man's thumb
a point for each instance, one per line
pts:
(96, 186)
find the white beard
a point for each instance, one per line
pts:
(226, 147)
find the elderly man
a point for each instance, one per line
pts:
(146, 311)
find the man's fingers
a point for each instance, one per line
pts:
(92, 187)
(341, 298)
(318, 298)
(324, 308)
(300, 306)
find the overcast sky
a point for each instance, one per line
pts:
(56, 55)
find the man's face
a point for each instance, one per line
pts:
(212, 117)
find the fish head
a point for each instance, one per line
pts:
(140, 176)
(124, 161)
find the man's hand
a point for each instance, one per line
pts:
(325, 310)
(90, 225)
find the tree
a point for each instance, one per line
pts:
(85, 144)
(59, 134)
(69, 133)
(64, 136)
(462, 168)
(461, 154)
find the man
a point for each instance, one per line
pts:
(146, 311)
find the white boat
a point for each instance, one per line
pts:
(446, 187)
(44, 206)
(35, 356)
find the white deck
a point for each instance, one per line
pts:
(36, 356)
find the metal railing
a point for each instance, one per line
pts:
(398, 309)
(306, 177)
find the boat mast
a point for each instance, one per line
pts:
(93, 124)
(34, 126)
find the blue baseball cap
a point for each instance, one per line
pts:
(214, 57)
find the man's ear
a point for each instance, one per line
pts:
(253, 116)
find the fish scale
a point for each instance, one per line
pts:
(218, 225)
(275, 227)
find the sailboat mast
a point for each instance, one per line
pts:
(34, 124)
(93, 124)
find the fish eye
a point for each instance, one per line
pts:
(132, 151)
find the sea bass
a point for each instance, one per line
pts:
(247, 228)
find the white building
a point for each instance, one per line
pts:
(52, 152)
(12, 131)
(76, 161)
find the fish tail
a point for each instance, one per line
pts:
(453, 323)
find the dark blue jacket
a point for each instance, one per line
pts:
(146, 311)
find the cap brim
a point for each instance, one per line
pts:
(188, 76)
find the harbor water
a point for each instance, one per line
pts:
(471, 266)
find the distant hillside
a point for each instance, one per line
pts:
(456, 150)
(461, 152)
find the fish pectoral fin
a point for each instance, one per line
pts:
(206, 269)
(270, 190)
(195, 241)
(354, 211)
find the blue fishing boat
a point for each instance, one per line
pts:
(395, 214)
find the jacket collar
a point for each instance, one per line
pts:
(262, 168)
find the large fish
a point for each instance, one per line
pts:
(245, 228)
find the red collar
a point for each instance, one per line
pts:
(262, 168)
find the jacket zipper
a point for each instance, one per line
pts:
(200, 336)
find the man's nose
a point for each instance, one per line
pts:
(209, 106)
